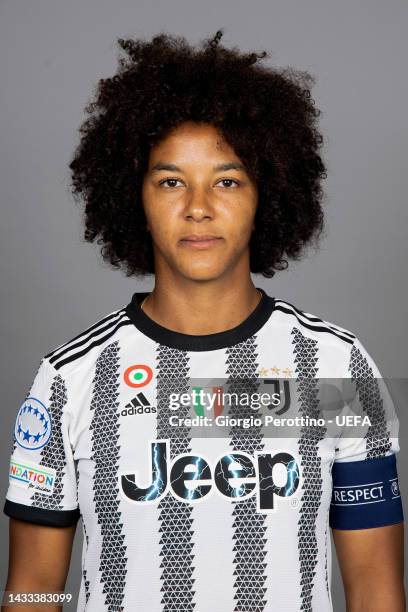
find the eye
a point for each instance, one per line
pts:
(171, 181)
(229, 181)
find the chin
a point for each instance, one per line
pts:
(201, 277)
(201, 273)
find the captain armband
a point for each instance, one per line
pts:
(365, 494)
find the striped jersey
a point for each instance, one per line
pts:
(194, 505)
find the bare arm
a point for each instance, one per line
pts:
(39, 559)
(372, 567)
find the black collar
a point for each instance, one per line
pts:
(206, 342)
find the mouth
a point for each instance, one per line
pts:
(200, 242)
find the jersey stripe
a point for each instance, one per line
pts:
(248, 524)
(105, 452)
(313, 318)
(176, 542)
(98, 342)
(52, 454)
(325, 328)
(306, 352)
(83, 337)
(85, 581)
(378, 441)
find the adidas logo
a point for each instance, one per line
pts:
(138, 405)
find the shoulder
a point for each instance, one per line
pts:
(316, 339)
(317, 342)
(313, 325)
(335, 344)
(85, 347)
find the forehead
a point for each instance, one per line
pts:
(191, 140)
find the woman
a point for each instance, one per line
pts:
(202, 166)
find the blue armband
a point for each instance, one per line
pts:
(365, 494)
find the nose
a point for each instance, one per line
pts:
(198, 204)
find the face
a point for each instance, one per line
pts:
(200, 204)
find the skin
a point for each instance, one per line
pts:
(40, 567)
(189, 282)
(199, 198)
(372, 567)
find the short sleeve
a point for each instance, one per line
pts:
(369, 396)
(42, 485)
(364, 473)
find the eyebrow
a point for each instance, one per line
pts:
(220, 168)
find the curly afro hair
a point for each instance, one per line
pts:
(267, 115)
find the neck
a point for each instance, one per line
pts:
(200, 308)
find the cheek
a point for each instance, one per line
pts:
(239, 218)
(156, 213)
(162, 221)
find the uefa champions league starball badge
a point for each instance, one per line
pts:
(33, 425)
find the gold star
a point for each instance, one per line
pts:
(263, 372)
(287, 372)
(275, 370)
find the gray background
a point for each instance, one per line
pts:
(54, 285)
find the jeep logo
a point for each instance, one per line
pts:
(235, 476)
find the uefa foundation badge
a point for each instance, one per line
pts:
(33, 425)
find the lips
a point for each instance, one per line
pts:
(200, 237)
(200, 241)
